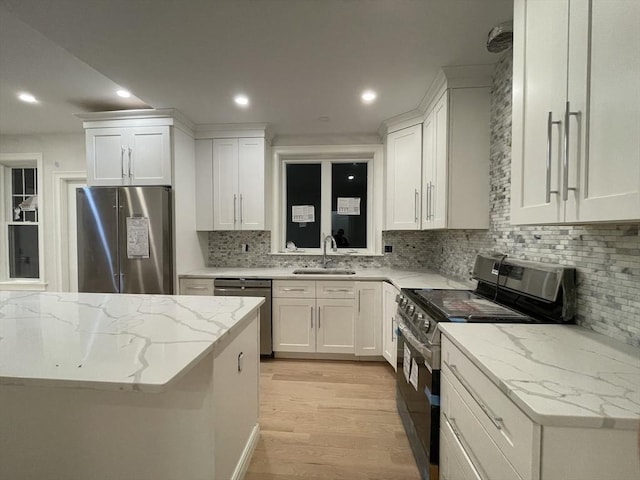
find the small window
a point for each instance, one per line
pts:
(327, 197)
(349, 204)
(22, 224)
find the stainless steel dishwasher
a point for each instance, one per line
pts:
(240, 287)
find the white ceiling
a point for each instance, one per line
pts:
(297, 60)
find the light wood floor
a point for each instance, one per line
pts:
(330, 420)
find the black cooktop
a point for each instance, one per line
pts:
(448, 305)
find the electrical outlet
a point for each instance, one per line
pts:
(244, 247)
(388, 248)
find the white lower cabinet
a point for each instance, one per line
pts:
(484, 435)
(326, 316)
(311, 316)
(389, 341)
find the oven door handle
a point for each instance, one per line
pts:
(422, 349)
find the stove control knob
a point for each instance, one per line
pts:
(411, 309)
(399, 298)
(403, 302)
(422, 321)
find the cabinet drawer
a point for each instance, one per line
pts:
(293, 289)
(455, 464)
(337, 289)
(512, 431)
(480, 450)
(196, 286)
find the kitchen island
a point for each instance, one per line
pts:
(138, 387)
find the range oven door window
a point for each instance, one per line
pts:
(418, 398)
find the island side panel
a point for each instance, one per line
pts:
(236, 369)
(77, 434)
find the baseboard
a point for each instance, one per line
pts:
(247, 453)
(328, 356)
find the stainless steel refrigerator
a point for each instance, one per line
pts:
(125, 240)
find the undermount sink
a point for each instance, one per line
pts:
(324, 271)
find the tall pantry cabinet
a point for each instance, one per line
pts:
(576, 111)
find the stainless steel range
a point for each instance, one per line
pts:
(508, 290)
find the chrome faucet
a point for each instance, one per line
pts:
(334, 247)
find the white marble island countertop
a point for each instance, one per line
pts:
(111, 342)
(399, 278)
(560, 375)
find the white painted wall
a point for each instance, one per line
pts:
(60, 153)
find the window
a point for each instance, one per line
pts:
(21, 236)
(328, 194)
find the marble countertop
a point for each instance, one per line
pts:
(111, 342)
(399, 278)
(560, 375)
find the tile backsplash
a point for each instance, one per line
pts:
(606, 256)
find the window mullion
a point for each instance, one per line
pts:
(325, 200)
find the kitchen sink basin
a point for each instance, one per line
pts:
(324, 271)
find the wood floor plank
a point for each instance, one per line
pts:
(330, 420)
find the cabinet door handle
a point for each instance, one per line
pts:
(393, 329)
(319, 317)
(130, 161)
(241, 210)
(235, 218)
(122, 162)
(550, 124)
(565, 164)
(415, 205)
(497, 421)
(240, 361)
(431, 212)
(359, 301)
(311, 316)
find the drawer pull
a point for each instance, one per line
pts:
(465, 449)
(240, 361)
(193, 287)
(287, 289)
(337, 290)
(497, 421)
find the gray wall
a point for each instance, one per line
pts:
(607, 256)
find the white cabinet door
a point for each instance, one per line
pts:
(251, 183)
(539, 95)
(368, 318)
(403, 178)
(107, 155)
(604, 86)
(455, 464)
(149, 155)
(225, 186)
(389, 344)
(129, 156)
(335, 325)
(438, 185)
(294, 325)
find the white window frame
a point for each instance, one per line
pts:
(326, 155)
(20, 160)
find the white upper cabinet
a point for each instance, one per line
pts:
(576, 111)
(231, 181)
(437, 172)
(455, 168)
(403, 173)
(128, 155)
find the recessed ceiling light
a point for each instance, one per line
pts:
(123, 93)
(351, 177)
(368, 96)
(27, 97)
(241, 100)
